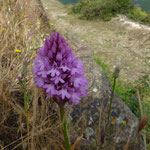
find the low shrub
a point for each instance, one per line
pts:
(106, 9)
(92, 10)
(146, 20)
(137, 14)
(77, 8)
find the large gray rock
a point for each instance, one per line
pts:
(94, 109)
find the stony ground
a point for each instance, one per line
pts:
(111, 41)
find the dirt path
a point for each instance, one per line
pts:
(111, 41)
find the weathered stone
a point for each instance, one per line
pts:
(95, 109)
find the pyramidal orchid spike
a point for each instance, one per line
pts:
(59, 72)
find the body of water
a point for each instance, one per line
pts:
(144, 4)
(68, 1)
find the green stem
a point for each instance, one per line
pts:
(64, 127)
(25, 101)
(112, 95)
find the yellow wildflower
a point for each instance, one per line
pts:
(38, 23)
(29, 22)
(52, 24)
(17, 51)
(23, 16)
(114, 120)
(4, 29)
(124, 122)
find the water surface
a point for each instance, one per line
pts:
(68, 1)
(144, 4)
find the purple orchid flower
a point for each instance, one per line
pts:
(59, 72)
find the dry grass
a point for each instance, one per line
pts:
(23, 26)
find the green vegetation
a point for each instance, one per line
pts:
(128, 93)
(138, 15)
(106, 9)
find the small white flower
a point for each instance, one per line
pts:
(90, 121)
(95, 90)
(119, 120)
(23, 125)
(24, 145)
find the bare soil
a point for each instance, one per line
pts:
(110, 41)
